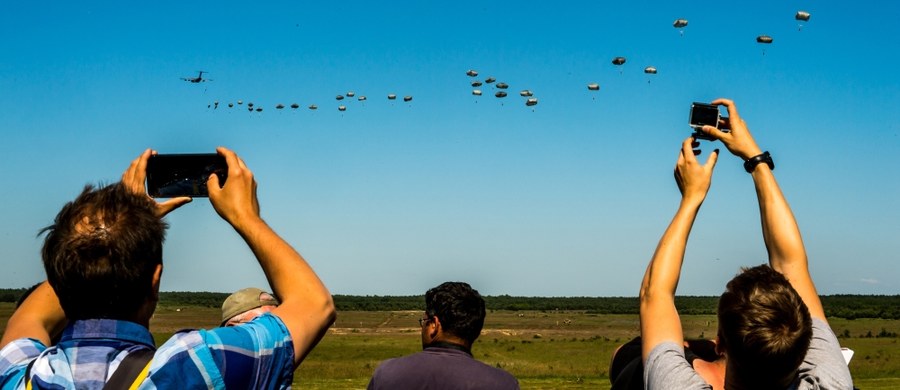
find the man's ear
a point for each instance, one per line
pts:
(157, 276)
(437, 327)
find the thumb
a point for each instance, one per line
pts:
(712, 159)
(172, 204)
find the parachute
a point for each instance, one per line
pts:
(500, 94)
(476, 84)
(618, 61)
(230, 105)
(526, 93)
(531, 102)
(407, 98)
(361, 98)
(472, 73)
(680, 24)
(342, 108)
(313, 107)
(502, 85)
(490, 80)
(593, 87)
(258, 109)
(392, 96)
(350, 93)
(250, 104)
(339, 97)
(764, 39)
(295, 106)
(279, 106)
(240, 102)
(650, 70)
(476, 92)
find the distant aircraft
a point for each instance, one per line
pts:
(198, 79)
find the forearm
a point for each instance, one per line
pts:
(659, 318)
(306, 304)
(784, 243)
(39, 317)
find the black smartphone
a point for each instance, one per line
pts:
(171, 175)
(703, 114)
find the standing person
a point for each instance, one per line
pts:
(103, 259)
(246, 304)
(454, 316)
(772, 328)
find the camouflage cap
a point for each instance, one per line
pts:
(245, 299)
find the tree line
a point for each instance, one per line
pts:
(843, 306)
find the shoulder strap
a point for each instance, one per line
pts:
(132, 370)
(28, 374)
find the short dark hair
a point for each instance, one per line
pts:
(764, 327)
(459, 307)
(101, 251)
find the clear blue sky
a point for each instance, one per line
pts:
(392, 198)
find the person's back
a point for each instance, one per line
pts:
(454, 317)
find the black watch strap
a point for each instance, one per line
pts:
(752, 162)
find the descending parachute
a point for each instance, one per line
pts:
(313, 107)
(801, 17)
(407, 98)
(526, 93)
(490, 80)
(342, 108)
(230, 105)
(258, 109)
(350, 93)
(764, 39)
(680, 24)
(295, 106)
(618, 61)
(531, 102)
(240, 102)
(476, 84)
(476, 92)
(593, 87)
(502, 85)
(500, 94)
(391, 96)
(279, 106)
(250, 104)
(472, 73)
(339, 97)
(649, 70)
(361, 98)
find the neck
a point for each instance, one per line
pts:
(450, 345)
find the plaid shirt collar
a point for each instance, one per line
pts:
(106, 329)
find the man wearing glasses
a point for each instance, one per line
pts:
(454, 316)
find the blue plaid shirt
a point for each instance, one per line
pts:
(255, 355)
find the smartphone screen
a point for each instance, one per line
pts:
(171, 175)
(704, 114)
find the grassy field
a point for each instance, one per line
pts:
(545, 350)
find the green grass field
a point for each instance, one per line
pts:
(545, 350)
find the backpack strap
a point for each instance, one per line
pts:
(131, 371)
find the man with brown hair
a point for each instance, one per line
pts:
(772, 328)
(103, 259)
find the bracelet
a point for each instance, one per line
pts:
(752, 162)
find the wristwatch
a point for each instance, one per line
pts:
(752, 162)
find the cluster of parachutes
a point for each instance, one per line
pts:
(530, 100)
(501, 87)
(349, 95)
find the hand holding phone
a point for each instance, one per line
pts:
(174, 175)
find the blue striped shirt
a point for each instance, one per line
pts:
(255, 355)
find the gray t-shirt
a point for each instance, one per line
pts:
(822, 368)
(440, 369)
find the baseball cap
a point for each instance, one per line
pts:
(245, 299)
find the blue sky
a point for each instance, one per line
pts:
(391, 198)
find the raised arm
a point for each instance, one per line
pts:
(780, 231)
(40, 317)
(306, 305)
(659, 319)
